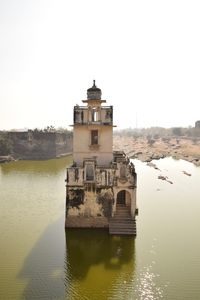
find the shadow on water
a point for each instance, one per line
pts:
(91, 247)
(95, 261)
(79, 265)
(43, 269)
(52, 166)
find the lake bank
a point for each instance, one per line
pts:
(6, 158)
(34, 145)
(141, 148)
(9, 158)
(146, 150)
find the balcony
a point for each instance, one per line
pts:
(77, 177)
(93, 116)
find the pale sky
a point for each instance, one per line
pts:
(144, 55)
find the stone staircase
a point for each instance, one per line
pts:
(122, 223)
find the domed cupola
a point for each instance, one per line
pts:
(94, 93)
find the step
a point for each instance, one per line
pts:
(117, 229)
(127, 226)
(116, 217)
(122, 227)
(122, 222)
(121, 232)
(122, 211)
(122, 208)
(122, 215)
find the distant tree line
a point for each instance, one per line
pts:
(160, 132)
(52, 129)
(151, 134)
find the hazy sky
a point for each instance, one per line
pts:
(144, 55)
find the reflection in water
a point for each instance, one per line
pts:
(51, 166)
(32, 244)
(43, 268)
(146, 287)
(96, 262)
(93, 266)
(39, 261)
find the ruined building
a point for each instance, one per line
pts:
(101, 184)
(197, 124)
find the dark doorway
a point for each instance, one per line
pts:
(121, 198)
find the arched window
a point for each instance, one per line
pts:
(94, 115)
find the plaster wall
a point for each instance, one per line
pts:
(82, 147)
(133, 203)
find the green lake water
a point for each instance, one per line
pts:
(39, 260)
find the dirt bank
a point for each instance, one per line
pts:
(146, 150)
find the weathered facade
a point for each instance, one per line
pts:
(197, 124)
(101, 184)
(37, 144)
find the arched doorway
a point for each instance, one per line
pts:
(121, 198)
(124, 198)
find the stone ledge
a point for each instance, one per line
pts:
(86, 222)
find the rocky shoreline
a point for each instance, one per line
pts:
(143, 149)
(7, 158)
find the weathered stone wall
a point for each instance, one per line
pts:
(39, 145)
(197, 124)
(86, 222)
(88, 203)
(92, 201)
(82, 144)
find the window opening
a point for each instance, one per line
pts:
(94, 137)
(89, 172)
(94, 115)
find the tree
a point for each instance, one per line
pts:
(177, 131)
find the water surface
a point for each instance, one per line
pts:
(39, 260)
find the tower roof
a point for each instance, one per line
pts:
(94, 93)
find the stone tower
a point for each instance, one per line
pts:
(93, 129)
(101, 184)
